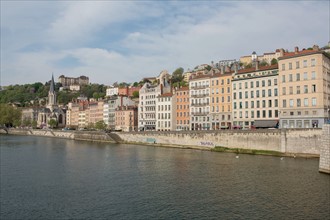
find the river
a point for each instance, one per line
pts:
(49, 178)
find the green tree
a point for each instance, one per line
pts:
(100, 125)
(263, 63)
(136, 94)
(26, 122)
(34, 124)
(9, 116)
(52, 123)
(273, 61)
(177, 75)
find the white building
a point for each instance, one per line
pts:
(199, 87)
(148, 98)
(112, 91)
(165, 112)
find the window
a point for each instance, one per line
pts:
(284, 103)
(305, 76)
(269, 103)
(290, 90)
(290, 66)
(246, 104)
(284, 91)
(305, 63)
(298, 89)
(269, 82)
(290, 77)
(283, 78)
(257, 84)
(275, 82)
(240, 95)
(298, 76)
(258, 104)
(252, 94)
(240, 85)
(263, 83)
(246, 95)
(313, 62)
(235, 106)
(276, 113)
(263, 103)
(252, 104)
(252, 114)
(305, 89)
(234, 86)
(298, 102)
(269, 113)
(269, 92)
(258, 114)
(276, 103)
(228, 89)
(283, 66)
(251, 84)
(246, 114)
(297, 65)
(264, 113)
(291, 102)
(246, 85)
(275, 92)
(305, 101)
(313, 75)
(313, 101)
(257, 93)
(314, 88)
(263, 93)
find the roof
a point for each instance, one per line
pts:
(182, 88)
(299, 53)
(166, 95)
(262, 68)
(52, 85)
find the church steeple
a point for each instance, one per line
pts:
(52, 94)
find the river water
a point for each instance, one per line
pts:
(48, 178)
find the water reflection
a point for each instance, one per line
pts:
(47, 178)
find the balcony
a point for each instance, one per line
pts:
(200, 104)
(200, 113)
(199, 87)
(200, 95)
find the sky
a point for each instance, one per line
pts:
(125, 41)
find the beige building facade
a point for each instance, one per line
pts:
(304, 85)
(255, 98)
(127, 118)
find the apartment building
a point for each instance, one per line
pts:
(255, 97)
(148, 98)
(199, 96)
(109, 109)
(126, 118)
(74, 108)
(68, 81)
(95, 111)
(182, 108)
(220, 99)
(304, 85)
(165, 113)
(111, 91)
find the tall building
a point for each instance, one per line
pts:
(165, 112)
(127, 118)
(199, 88)
(182, 108)
(255, 97)
(304, 85)
(220, 99)
(148, 98)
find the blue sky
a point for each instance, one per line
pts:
(119, 41)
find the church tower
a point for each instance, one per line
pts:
(52, 94)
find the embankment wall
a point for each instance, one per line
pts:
(325, 150)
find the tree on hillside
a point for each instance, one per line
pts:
(136, 94)
(177, 75)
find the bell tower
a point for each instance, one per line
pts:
(52, 94)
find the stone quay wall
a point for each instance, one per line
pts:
(324, 165)
(289, 141)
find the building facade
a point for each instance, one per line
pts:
(304, 84)
(126, 118)
(199, 96)
(165, 112)
(220, 99)
(182, 108)
(255, 97)
(68, 81)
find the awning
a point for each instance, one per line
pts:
(266, 124)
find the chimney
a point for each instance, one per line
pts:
(121, 100)
(222, 70)
(296, 50)
(236, 67)
(257, 65)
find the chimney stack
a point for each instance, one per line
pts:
(235, 67)
(222, 69)
(296, 50)
(257, 65)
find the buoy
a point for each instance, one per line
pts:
(282, 158)
(237, 157)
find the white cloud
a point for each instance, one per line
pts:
(152, 36)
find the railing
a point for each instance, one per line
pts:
(200, 95)
(199, 87)
(200, 104)
(200, 113)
